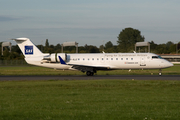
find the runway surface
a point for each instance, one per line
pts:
(96, 77)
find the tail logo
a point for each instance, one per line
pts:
(28, 50)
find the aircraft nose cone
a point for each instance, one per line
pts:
(169, 64)
(166, 64)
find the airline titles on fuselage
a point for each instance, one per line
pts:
(127, 58)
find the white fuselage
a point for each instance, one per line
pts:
(108, 60)
(90, 62)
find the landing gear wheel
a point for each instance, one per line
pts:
(92, 73)
(89, 73)
(160, 72)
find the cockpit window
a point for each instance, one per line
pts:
(157, 57)
(154, 57)
(160, 57)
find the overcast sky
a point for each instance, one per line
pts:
(92, 22)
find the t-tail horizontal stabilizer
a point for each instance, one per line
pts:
(61, 60)
(27, 47)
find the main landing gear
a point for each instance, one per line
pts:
(89, 73)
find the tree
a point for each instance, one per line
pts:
(162, 49)
(48, 49)
(169, 43)
(81, 49)
(40, 47)
(91, 49)
(57, 48)
(128, 38)
(47, 43)
(153, 47)
(108, 45)
(16, 49)
(172, 49)
(101, 48)
(109, 48)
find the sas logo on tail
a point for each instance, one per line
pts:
(28, 50)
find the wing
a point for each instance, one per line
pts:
(85, 68)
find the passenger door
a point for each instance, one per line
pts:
(142, 61)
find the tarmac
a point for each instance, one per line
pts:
(95, 77)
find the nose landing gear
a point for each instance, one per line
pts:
(160, 72)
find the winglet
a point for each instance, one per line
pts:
(61, 60)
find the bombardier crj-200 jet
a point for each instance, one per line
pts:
(90, 62)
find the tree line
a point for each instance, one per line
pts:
(126, 41)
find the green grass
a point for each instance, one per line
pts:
(33, 70)
(90, 99)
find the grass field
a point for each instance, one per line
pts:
(33, 70)
(90, 99)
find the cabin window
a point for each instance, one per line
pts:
(88, 58)
(126, 58)
(131, 58)
(111, 58)
(106, 58)
(83, 59)
(116, 58)
(97, 58)
(121, 58)
(78, 59)
(102, 58)
(92, 58)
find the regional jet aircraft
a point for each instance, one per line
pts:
(90, 62)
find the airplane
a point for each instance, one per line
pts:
(90, 62)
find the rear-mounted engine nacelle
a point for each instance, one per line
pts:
(54, 57)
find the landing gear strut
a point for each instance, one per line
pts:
(89, 73)
(160, 72)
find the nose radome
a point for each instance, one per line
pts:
(169, 64)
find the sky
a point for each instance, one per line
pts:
(91, 22)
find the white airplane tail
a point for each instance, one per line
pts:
(27, 47)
